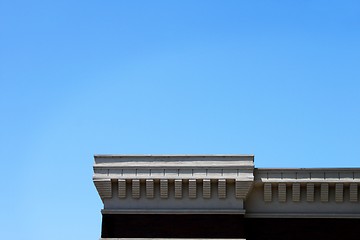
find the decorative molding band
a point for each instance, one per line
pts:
(315, 182)
(322, 191)
(303, 175)
(240, 167)
(137, 186)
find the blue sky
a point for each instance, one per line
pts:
(278, 79)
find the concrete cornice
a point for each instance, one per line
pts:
(221, 183)
(131, 183)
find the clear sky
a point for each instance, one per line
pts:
(278, 79)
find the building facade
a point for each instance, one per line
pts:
(224, 196)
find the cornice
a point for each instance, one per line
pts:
(202, 181)
(203, 184)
